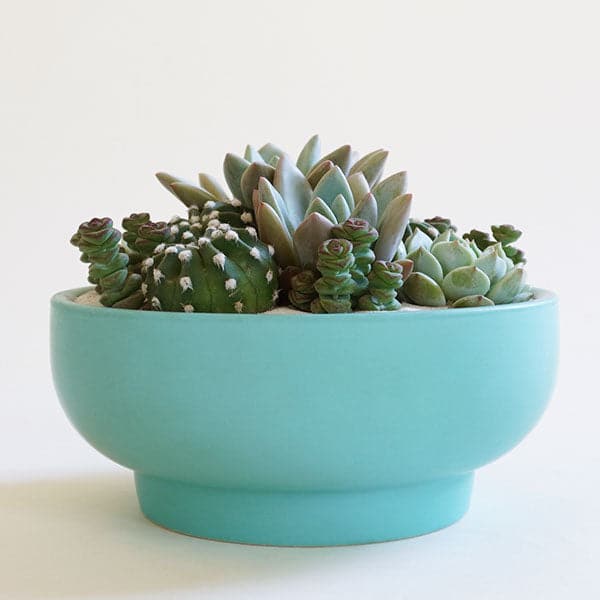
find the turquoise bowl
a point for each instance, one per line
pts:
(300, 429)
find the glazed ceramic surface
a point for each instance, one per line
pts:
(302, 429)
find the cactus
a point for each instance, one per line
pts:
(385, 279)
(335, 286)
(227, 270)
(98, 242)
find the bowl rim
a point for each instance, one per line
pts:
(65, 300)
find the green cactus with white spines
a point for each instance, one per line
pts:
(98, 242)
(226, 270)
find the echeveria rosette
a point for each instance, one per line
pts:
(450, 271)
(228, 270)
(335, 286)
(384, 281)
(99, 244)
(363, 236)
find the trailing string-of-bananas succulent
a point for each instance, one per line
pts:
(330, 231)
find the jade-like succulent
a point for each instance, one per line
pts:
(227, 270)
(98, 242)
(450, 270)
(335, 286)
(385, 279)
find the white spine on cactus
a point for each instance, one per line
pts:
(269, 276)
(158, 275)
(246, 217)
(239, 306)
(219, 260)
(185, 256)
(255, 253)
(232, 236)
(188, 308)
(186, 283)
(230, 284)
(159, 248)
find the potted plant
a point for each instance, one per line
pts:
(296, 361)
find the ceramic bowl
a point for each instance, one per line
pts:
(301, 429)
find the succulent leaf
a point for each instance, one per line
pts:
(421, 289)
(302, 292)
(417, 240)
(341, 157)
(340, 208)
(318, 171)
(269, 152)
(335, 286)
(308, 237)
(332, 184)
(366, 209)
(472, 302)
(452, 255)
(309, 155)
(272, 231)
(250, 178)
(192, 195)
(491, 263)
(508, 288)
(465, 281)
(371, 166)
(359, 186)
(318, 206)
(268, 193)
(251, 154)
(427, 263)
(393, 186)
(211, 185)
(233, 168)
(293, 187)
(393, 224)
(385, 279)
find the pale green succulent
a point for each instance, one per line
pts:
(297, 203)
(452, 271)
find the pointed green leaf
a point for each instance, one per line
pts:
(340, 208)
(417, 239)
(366, 209)
(210, 184)
(318, 206)
(393, 225)
(269, 195)
(359, 187)
(318, 171)
(294, 189)
(342, 157)
(250, 178)
(331, 185)
(465, 281)
(167, 180)
(427, 263)
(309, 235)
(491, 263)
(371, 166)
(452, 255)
(192, 195)
(421, 289)
(309, 155)
(472, 302)
(269, 151)
(272, 231)
(388, 189)
(251, 154)
(506, 289)
(233, 168)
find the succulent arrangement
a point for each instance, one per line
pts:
(324, 234)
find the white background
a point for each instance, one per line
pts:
(493, 109)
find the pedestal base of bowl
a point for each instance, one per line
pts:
(304, 518)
